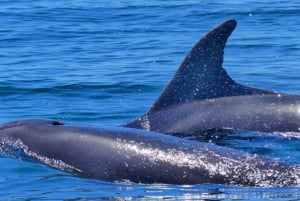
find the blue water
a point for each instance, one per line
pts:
(105, 62)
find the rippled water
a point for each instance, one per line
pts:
(105, 62)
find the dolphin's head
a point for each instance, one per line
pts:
(29, 122)
(25, 129)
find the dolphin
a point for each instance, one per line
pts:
(126, 154)
(141, 155)
(202, 96)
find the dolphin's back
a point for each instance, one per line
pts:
(118, 154)
(201, 75)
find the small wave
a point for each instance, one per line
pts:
(105, 88)
(288, 134)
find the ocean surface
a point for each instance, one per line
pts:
(105, 63)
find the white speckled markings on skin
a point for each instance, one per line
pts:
(145, 123)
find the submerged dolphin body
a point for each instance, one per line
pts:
(202, 96)
(114, 154)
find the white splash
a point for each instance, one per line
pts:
(11, 146)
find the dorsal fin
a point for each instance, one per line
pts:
(201, 75)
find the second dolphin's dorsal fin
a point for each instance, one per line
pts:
(201, 75)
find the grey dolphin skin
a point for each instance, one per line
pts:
(200, 96)
(116, 154)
